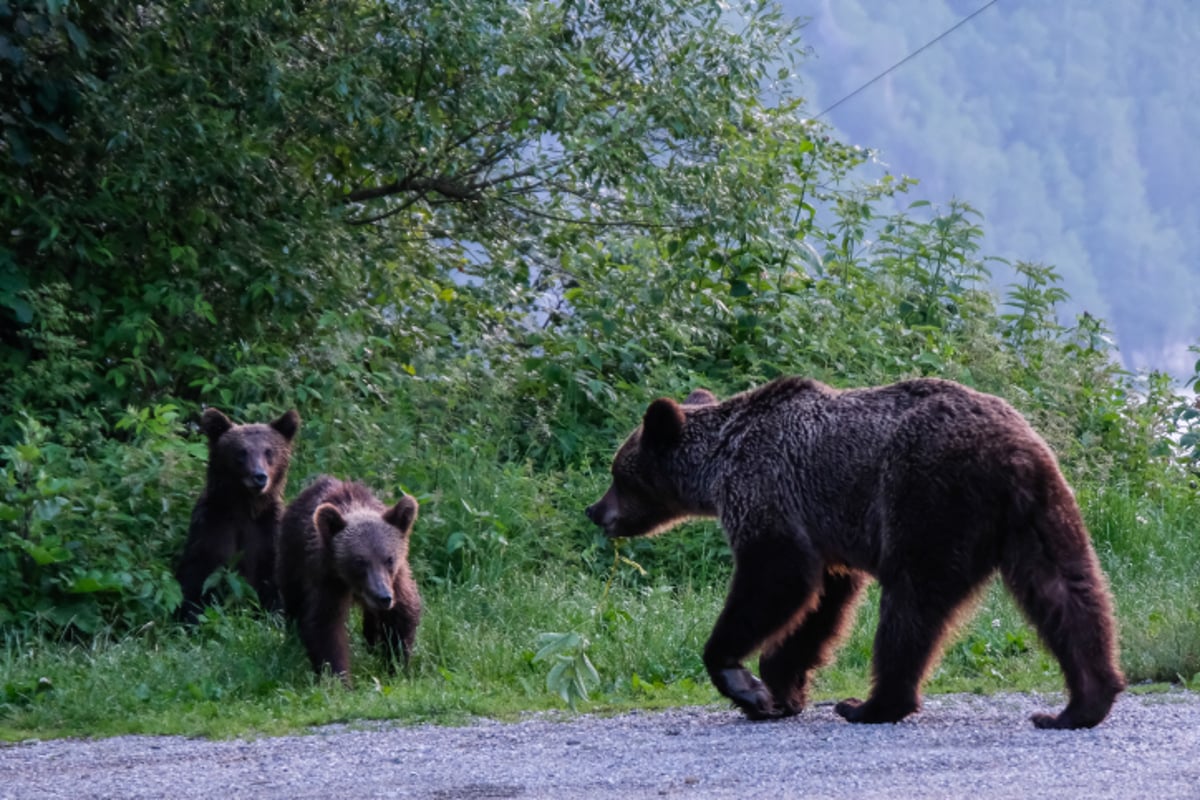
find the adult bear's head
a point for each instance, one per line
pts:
(650, 472)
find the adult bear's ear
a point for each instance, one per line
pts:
(662, 426)
(701, 397)
(402, 515)
(287, 425)
(214, 424)
(328, 521)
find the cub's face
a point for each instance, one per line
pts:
(253, 456)
(644, 496)
(368, 548)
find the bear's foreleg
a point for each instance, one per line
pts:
(774, 584)
(206, 551)
(323, 632)
(393, 631)
(258, 560)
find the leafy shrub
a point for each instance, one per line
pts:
(89, 534)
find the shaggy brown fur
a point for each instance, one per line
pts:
(236, 518)
(926, 485)
(338, 545)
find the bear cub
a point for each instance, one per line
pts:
(338, 545)
(236, 519)
(927, 486)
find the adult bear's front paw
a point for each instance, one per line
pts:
(749, 694)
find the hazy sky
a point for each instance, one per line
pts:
(1071, 126)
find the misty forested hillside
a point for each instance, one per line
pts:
(1070, 125)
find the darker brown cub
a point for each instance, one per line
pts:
(927, 486)
(237, 516)
(339, 545)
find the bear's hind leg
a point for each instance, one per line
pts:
(1068, 604)
(774, 582)
(914, 616)
(785, 665)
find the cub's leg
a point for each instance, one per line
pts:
(206, 551)
(392, 630)
(258, 561)
(323, 631)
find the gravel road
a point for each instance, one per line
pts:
(960, 746)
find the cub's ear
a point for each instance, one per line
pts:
(214, 424)
(287, 425)
(402, 515)
(328, 521)
(701, 397)
(662, 427)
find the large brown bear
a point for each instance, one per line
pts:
(926, 485)
(235, 521)
(338, 545)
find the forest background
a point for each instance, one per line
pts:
(1066, 126)
(470, 240)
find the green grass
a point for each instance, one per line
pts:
(1150, 548)
(240, 674)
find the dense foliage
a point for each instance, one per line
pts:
(468, 240)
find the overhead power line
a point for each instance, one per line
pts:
(913, 54)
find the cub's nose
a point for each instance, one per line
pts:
(260, 479)
(383, 599)
(591, 513)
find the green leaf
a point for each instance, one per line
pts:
(554, 644)
(43, 556)
(90, 583)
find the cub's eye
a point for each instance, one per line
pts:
(360, 564)
(390, 563)
(269, 455)
(242, 452)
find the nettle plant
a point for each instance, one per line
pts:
(88, 534)
(42, 577)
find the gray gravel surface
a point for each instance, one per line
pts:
(959, 746)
